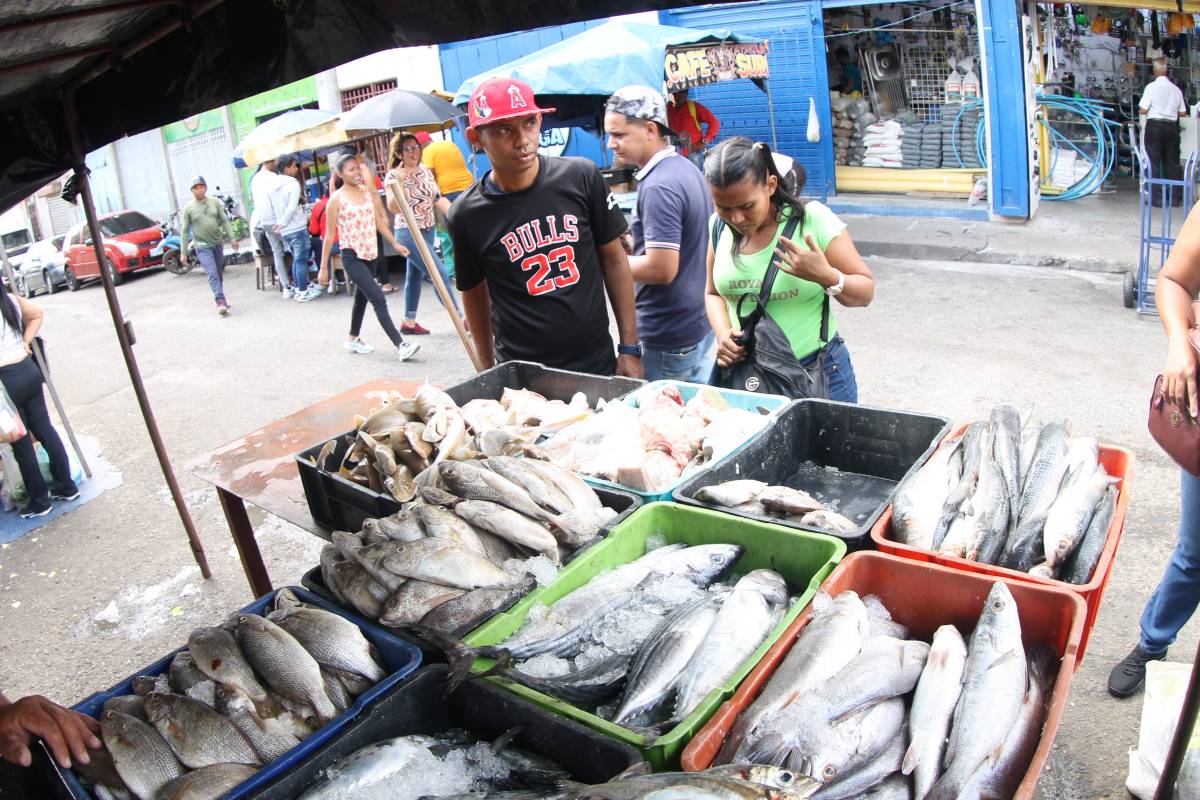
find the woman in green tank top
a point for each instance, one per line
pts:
(754, 207)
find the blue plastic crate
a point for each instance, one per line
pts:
(750, 401)
(400, 659)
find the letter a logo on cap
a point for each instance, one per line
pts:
(482, 109)
(515, 98)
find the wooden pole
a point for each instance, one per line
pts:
(62, 412)
(125, 338)
(1183, 735)
(435, 274)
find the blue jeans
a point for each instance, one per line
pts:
(839, 372)
(1178, 593)
(278, 249)
(416, 268)
(299, 244)
(213, 261)
(692, 363)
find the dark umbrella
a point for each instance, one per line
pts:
(401, 109)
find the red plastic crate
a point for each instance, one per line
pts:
(1118, 462)
(924, 596)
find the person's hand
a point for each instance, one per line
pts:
(277, 229)
(28, 348)
(809, 265)
(728, 349)
(235, 246)
(323, 276)
(68, 734)
(627, 243)
(630, 367)
(402, 250)
(1179, 375)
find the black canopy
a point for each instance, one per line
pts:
(134, 65)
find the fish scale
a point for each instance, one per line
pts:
(284, 664)
(198, 734)
(141, 756)
(334, 641)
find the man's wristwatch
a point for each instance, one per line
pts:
(836, 289)
(635, 350)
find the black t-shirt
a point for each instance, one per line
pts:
(537, 250)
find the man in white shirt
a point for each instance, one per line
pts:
(1162, 105)
(293, 226)
(263, 188)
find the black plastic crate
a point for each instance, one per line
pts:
(850, 455)
(335, 502)
(553, 384)
(421, 706)
(41, 779)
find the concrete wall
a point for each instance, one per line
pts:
(415, 68)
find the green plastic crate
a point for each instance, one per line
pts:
(804, 560)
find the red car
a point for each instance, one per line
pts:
(129, 236)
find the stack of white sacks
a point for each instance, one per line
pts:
(884, 143)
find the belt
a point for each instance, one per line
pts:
(1164, 121)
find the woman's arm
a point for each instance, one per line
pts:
(825, 268)
(393, 177)
(31, 317)
(1178, 284)
(331, 220)
(728, 350)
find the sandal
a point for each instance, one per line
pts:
(388, 288)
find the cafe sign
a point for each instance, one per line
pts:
(688, 66)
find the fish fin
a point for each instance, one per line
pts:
(460, 656)
(911, 757)
(636, 771)
(505, 739)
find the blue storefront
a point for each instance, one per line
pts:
(795, 30)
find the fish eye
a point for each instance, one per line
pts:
(998, 605)
(829, 773)
(786, 778)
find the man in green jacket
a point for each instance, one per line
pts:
(204, 219)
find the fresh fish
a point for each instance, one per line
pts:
(593, 685)
(746, 618)
(445, 562)
(403, 526)
(198, 734)
(347, 543)
(330, 558)
(101, 770)
(767, 783)
(360, 589)
(442, 523)
(207, 783)
(917, 509)
(1080, 567)
(971, 448)
(183, 673)
(563, 640)
(581, 496)
(833, 636)
(270, 737)
(145, 684)
(335, 642)
(325, 456)
(370, 768)
(508, 524)
(1041, 486)
(142, 758)
(575, 529)
(933, 708)
(994, 686)
(863, 777)
(1001, 779)
(217, 655)
(837, 752)
(439, 497)
(1070, 517)
(373, 558)
(335, 690)
(474, 483)
(414, 600)
(205, 691)
(785, 500)
(959, 537)
(662, 658)
(1006, 450)
(730, 493)
(1083, 457)
(829, 521)
(284, 663)
(130, 704)
(545, 493)
(895, 787)
(990, 507)
(466, 612)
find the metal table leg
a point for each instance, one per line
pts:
(247, 545)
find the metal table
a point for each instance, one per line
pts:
(260, 468)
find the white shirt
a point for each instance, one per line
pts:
(289, 211)
(262, 187)
(1162, 99)
(12, 343)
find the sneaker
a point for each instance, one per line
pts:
(407, 350)
(307, 294)
(413, 329)
(357, 346)
(36, 510)
(68, 494)
(1128, 677)
(289, 293)
(222, 308)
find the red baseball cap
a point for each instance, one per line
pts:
(423, 138)
(501, 98)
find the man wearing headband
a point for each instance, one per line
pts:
(537, 246)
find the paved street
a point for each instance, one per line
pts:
(105, 590)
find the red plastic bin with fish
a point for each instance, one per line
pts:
(1117, 462)
(924, 596)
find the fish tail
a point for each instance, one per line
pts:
(460, 656)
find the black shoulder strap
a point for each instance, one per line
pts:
(764, 294)
(718, 227)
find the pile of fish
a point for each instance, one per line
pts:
(455, 555)
(644, 643)
(650, 445)
(453, 764)
(864, 711)
(393, 449)
(240, 696)
(1034, 500)
(777, 502)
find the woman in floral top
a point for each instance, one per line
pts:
(421, 191)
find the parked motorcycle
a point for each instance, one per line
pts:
(169, 248)
(241, 228)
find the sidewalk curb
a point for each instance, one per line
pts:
(982, 255)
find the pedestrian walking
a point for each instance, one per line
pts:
(670, 238)
(686, 117)
(205, 222)
(1161, 106)
(20, 321)
(293, 227)
(356, 214)
(818, 263)
(453, 178)
(265, 218)
(421, 190)
(538, 244)
(1178, 593)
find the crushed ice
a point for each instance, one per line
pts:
(546, 666)
(543, 570)
(655, 541)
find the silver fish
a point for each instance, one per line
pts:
(545, 493)
(933, 708)
(208, 783)
(130, 704)
(1083, 457)
(785, 500)
(183, 673)
(581, 496)
(360, 589)
(730, 493)
(335, 690)
(835, 752)
(508, 524)
(442, 523)
(1070, 516)
(971, 448)
(414, 600)
(829, 521)
(335, 642)
(1041, 486)
(330, 557)
(284, 663)
(198, 734)
(577, 528)
(990, 507)
(867, 775)
(145, 684)
(1081, 566)
(370, 769)
(1006, 449)
(374, 558)
(142, 758)
(445, 562)
(474, 483)
(917, 509)
(895, 787)
(218, 656)
(457, 616)
(594, 684)
(403, 526)
(270, 737)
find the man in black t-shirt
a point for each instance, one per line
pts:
(537, 246)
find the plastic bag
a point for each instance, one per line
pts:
(12, 491)
(1166, 685)
(814, 122)
(11, 426)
